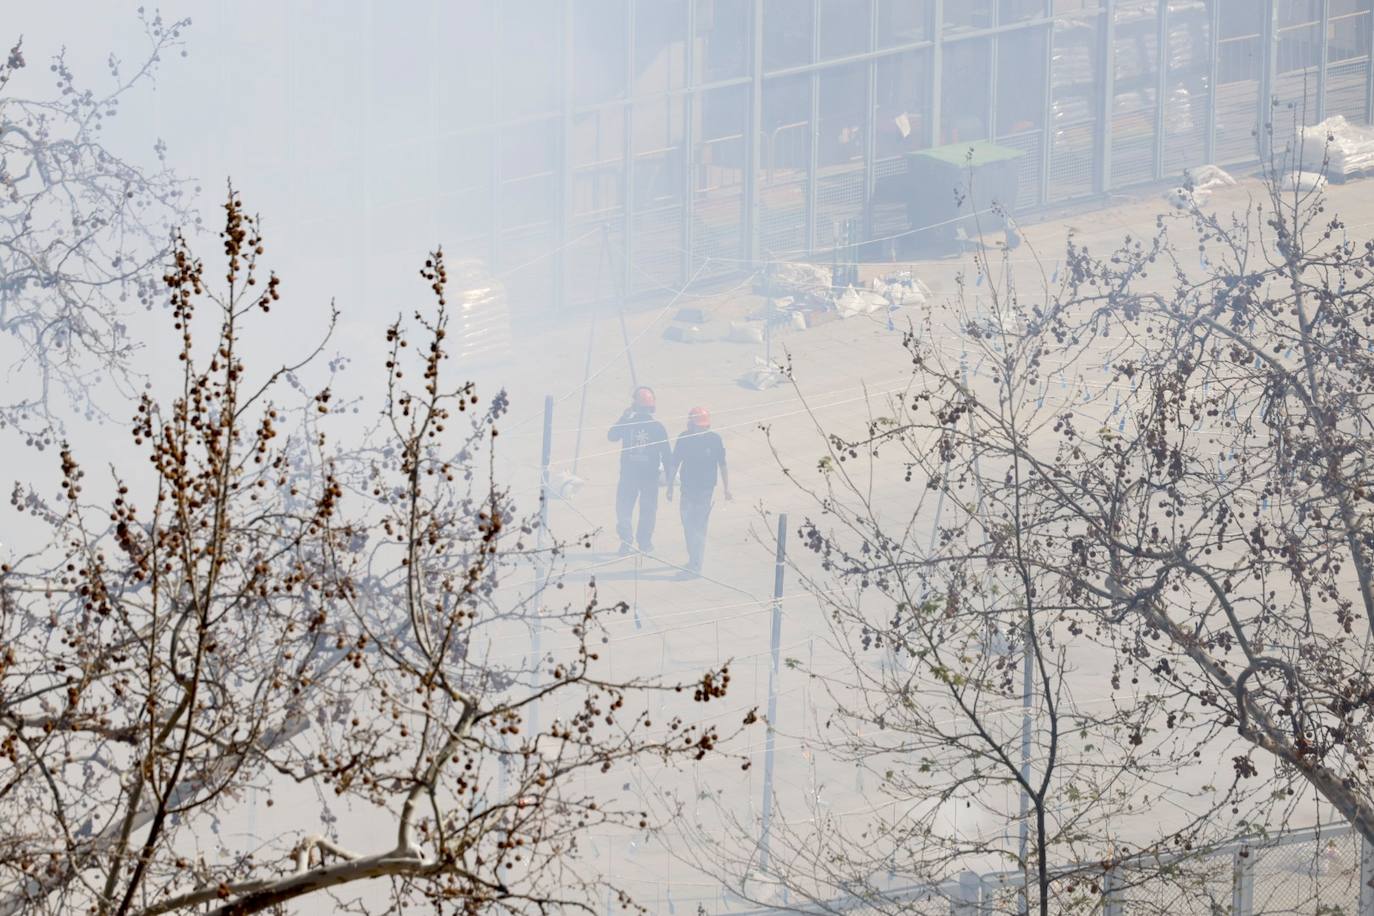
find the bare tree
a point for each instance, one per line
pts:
(349, 643)
(975, 696)
(84, 232)
(1220, 523)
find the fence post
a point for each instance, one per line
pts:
(545, 563)
(1243, 887)
(967, 896)
(1366, 877)
(1113, 900)
(775, 640)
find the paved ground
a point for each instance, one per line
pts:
(678, 626)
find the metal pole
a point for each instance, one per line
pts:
(937, 75)
(1243, 890)
(775, 640)
(1322, 62)
(1209, 143)
(1366, 907)
(1161, 86)
(545, 565)
(751, 175)
(1106, 108)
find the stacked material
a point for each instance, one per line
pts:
(1337, 148)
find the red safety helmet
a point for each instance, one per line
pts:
(644, 397)
(699, 417)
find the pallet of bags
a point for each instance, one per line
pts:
(1346, 149)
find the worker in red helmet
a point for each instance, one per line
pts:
(698, 456)
(644, 454)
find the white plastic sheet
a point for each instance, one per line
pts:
(1350, 148)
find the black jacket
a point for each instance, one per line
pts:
(643, 444)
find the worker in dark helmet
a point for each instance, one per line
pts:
(698, 455)
(644, 453)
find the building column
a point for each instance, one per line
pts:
(563, 225)
(1209, 140)
(1107, 56)
(813, 131)
(1161, 86)
(870, 126)
(1321, 63)
(1269, 67)
(937, 70)
(689, 153)
(752, 139)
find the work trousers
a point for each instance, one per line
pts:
(634, 488)
(696, 512)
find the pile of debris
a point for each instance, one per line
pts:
(813, 298)
(798, 296)
(1198, 185)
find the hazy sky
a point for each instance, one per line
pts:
(322, 113)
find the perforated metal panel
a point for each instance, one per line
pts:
(1075, 87)
(1295, 98)
(888, 217)
(1072, 166)
(717, 232)
(657, 252)
(1316, 877)
(1027, 168)
(1186, 102)
(1133, 147)
(782, 219)
(839, 197)
(1136, 89)
(1237, 120)
(1347, 89)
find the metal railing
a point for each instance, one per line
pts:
(1326, 871)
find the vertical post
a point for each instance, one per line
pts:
(1269, 42)
(769, 316)
(967, 897)
(755, 138)
(1321, 63)
(1366, 907)
(1369, 80)
(690, 106)
(870, 120)
(775, 641)
(1243, 888)
(1161, 86)
(564, 193)
(545, 564)
(813, 132)
(1113, 903)
(1047, 119)
(1209, 142)
(494, 192)
(1027, 698)
(627, 200)
(937, 73)
(1104, 111)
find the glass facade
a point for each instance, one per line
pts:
(601, 148)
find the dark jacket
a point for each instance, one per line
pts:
(643, 444)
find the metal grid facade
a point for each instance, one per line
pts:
(631, 146)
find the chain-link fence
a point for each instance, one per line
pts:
(1315, 872)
